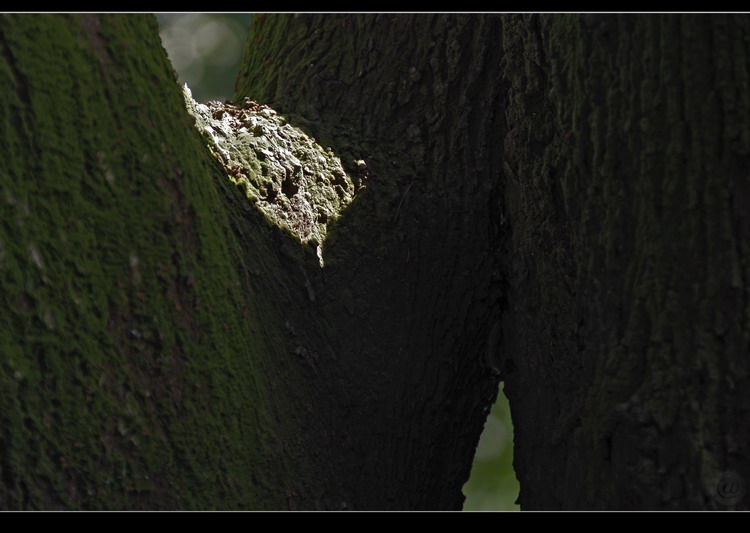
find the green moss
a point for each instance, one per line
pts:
(131, 373)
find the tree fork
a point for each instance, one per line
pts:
(535, 187)
(624, 140)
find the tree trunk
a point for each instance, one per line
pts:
(408, 294)
(629, 315)
(135, 372)
(532, 190)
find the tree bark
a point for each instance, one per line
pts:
(629, 306)
(557, 201)
(409, 293)
(135, 374)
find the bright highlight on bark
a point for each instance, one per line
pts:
(295, 182)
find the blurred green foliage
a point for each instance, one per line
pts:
(206, 50)
(493, 485)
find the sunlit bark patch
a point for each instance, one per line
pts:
(297, 183)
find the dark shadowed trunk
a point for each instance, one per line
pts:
(410, 290)
(627, 183)
(557, 201)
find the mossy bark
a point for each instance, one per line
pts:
(135, 374)
(532, 188)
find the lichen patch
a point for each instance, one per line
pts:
(297, 183)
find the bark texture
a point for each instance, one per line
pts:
(558, 201)
(409, 294)
(605, 159)
(133, 373)
(627, 178)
